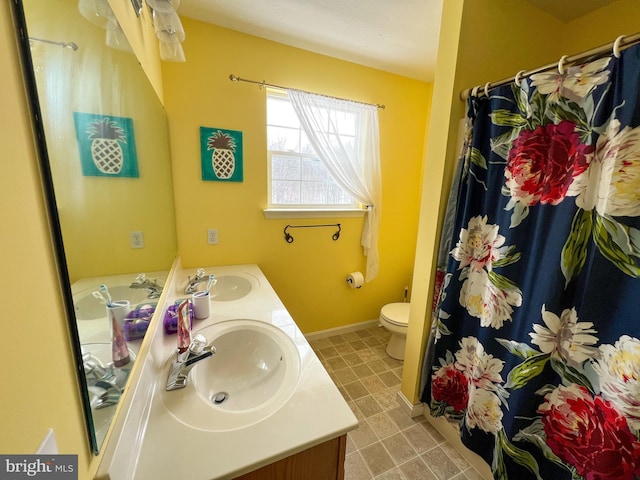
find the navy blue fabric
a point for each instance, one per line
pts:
(551, 388)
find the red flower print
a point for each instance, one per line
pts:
(589, 434)
(543, 162)
(451, 386)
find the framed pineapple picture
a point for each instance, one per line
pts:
(221, 154)
(106, 144)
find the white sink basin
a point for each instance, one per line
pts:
(89, 308)
(230, 287)
(253, 373)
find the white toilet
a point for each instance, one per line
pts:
(395, 318)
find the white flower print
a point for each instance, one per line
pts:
(576, 83)
(481, 368)
(565, 337)
(478, 246)
(484, 411)
(619, 372)
(611, 184)
(482, 299)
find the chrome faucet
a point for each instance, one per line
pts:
(142, 281)
(192, 283)
(185, 361)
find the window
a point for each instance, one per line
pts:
(297, 177)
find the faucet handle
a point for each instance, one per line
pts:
(198, 342)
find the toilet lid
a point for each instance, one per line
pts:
(396, 313)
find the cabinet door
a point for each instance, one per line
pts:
(322, 462)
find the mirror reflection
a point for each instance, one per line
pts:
(107, 142)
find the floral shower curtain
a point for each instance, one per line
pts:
(535, 347)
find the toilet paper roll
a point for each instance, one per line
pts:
(355, 279)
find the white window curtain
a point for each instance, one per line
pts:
(350, 151)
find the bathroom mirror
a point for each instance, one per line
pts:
(103, 145)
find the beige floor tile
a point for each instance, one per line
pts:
(394, 474)
(368, 406)
(390, 379)
(372, 341)
(356, 390)
(344, 348)
(363, 436)
(377, 459)
(336, 339)
(387, 398)
(382, 425)
(363, 370)
(440, 464)
(373, 384)
(336, 363)
(344, 376)
(350, 337)
(388, 444)
(378, 366)
(399, 448)
(402, 419)
(416, 469)
(328, 352)
(355, 468)
(419, 439)
(359, 344)
(352, 359)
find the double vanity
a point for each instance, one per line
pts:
(261, 407)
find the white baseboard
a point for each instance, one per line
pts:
(352, 327)
(410, 409)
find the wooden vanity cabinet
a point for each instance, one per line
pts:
(322, 462)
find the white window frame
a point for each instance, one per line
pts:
(302, 210)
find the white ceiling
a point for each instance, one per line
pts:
(397, 36)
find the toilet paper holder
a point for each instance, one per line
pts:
(289, 238)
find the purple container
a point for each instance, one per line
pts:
(171, 317)
(136, 323)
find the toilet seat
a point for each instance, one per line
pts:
(396, 313)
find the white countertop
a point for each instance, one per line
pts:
(164, 447)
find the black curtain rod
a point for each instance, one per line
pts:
(262, 84)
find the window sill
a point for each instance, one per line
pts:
(313, 213)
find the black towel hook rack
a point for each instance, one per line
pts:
(289, 238)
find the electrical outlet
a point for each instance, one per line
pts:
(212, 236)
(137, 239)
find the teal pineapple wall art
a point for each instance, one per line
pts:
(106, 145)
(221, 154)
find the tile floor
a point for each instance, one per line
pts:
(388, 444)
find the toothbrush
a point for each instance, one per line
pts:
(105, 291)
(211, 282)
(100, 297)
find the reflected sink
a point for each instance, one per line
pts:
(230, 287)
(99, 354)
(253, 373)
(90, 308)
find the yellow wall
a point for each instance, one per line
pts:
(481, 41)
(308, 274)
(601, 26)
(39, 383)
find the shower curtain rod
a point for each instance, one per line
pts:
(235, 78)
(622, 41)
